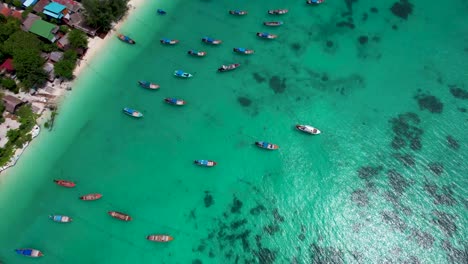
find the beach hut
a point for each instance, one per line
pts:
(63, 43)
(12, 103)
(55, 56)
(7, 66)
(44, 29)
(55, 10)
(29, 21)
(29, 3)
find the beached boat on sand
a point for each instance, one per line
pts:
(308, 129)
(182, 74)
(132, 112)
(120, 216)
(60, 218)
(266, 145)
(238, 12)
(196, 53)
(266, 35)
(278, 11)
(126, 39)
(174, 101)
(160, 238)
(169, 41)
(91, 197)
(64, 183)
(273, 23)
(211, 41)
(243, 51)
(148, 85)
(228, 67)
(29, 252)
(205, 163)
(314, 2)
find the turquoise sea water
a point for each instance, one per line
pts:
(385, 182)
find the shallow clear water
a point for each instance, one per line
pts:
(385, 182)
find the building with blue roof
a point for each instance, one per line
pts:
(28, 3)
(55, 10)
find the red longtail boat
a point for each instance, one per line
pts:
(64, 183)
(120, 216)
(91, 197)
(160, 238)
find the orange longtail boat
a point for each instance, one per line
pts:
(91, 197)
(160, 238)
(64, 183)
(120, 216)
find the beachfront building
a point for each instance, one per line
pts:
(45, 30)
(39, 7)
(55, 56)
(7, 67)
(77, 21)
(29, 21)
(71, 5)
(55, 10)
(11, 103)
(7, 12)
(63, 43)
(28, 3)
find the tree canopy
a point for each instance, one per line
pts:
(20, 41)
(64, 68)
(28, 64)
(101, 13)
(77, 39)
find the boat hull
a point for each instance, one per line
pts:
(132, 112)
(211, 41)
(67, 184)
(205, 163)
(182, 74)
(243, 51)
(169, 42)
(278, 11)
(91, 197)
(314, 2)
(196, 53)
(308, 129)
(266, 145)
(126, 39)
(120, 216)
(61, 218)
(266, 35)
(29, 252)
(230, 67)
(160, 238)
(148, 85)
(273, 23)
(238, 12)
(174, 101)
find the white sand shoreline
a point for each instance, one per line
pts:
(95, 46)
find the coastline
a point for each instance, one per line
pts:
(95, 45)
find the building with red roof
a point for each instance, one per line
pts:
(7, 12)
(7, 66)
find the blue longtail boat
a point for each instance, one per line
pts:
(29, 252)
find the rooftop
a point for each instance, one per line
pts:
(39, 7)
(55, 56)
(44, 29)
(54, 7)
(29, 3)
(7, 65)
(29, 21)
(70, 4)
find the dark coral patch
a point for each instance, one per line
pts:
(197, 261)
(430, 102)
(374, 10)
(265, 256)
(364, 16)
(445, 222)
(406, 132)
(296, 46)
(397, 181)
(436, 167)
(459, 93)
(257, 210)
(363, 40)
(462, 109)
(325, 255)
(407, 159)
(452, 143)
(277, 85)
(446, 198)
(345, 24)
(277, 216)
(394, 27)
(236, 205)
(424, 239)
(392, 219)
(208, 199)
(244, 101)
(329, 43)
(271, 229)
(360, 197)
(402, 9)
(454, 254)
(259, 78)
(325, 78)
(367, 172)
(237, 224)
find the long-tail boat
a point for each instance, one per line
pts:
(91, 197)
(120, 216)
(29, 252)
(160, 238)
(64, 183)
(126, 39)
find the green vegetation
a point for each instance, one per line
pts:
(64, 68)
(64, 29)
(2, 108)
(100, 14)
(77, 39)
(10, 85)
(18, 137)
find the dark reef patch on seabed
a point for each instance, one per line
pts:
(277, 84)
(367, 172)
(325, 255)
(359, 197)
(236, 205)
(452, 143)
(454, 254)
(406, 159)
(208, 200)
(429, 102)
(424, 239)
(402, 9)
(397, 181)
(446, 198)
(436, 167)
(445, 223)
(244, 101)
(458, 92)
(406, 132)
(258, 77)
(392, 219)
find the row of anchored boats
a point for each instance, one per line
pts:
(30, 252)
